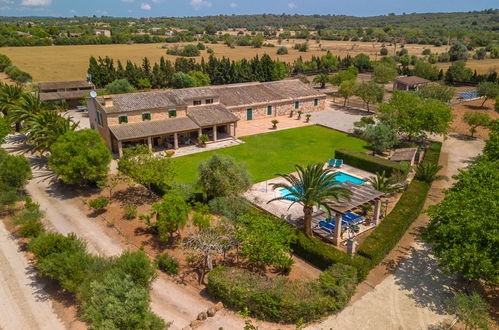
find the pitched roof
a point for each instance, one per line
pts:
(194, 93)
(255, 93)
(411, 80)
(404, 154)
(65, 84)
(211, 115)
(152, 128)
(143, 101)
(52, 96)
(361, 194)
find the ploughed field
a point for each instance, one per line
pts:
(266, 155)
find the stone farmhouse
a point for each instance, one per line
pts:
(409, 83)
(171, 119)
(71, 92)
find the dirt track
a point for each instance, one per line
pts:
(24, 304)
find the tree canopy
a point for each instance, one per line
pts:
(437, 91)
(222, 176)
(80, 157)
(410, 114)
(381, 137)
(370, 92)
(15, 171)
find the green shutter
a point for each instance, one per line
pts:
(172, 113)
(249, 114)
(123, 119)
(316, 102)
(146, 116)
(269, 110)
(297, 105)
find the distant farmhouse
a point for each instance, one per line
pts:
(101, 32)
(71, 92)
(172, 119)
(409, 83)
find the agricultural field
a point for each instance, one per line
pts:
(55, 63)
(481, 66)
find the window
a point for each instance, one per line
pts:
(316, 102)
(146, 116)
(249, 114)
(269, 110)
(172, 113)
(209, 101)
(297, 105)
(196, 102)
(99, 118)
(122, 119)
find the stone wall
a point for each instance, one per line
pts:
(136, 116)
(280, 109)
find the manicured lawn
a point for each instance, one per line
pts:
(267, 154)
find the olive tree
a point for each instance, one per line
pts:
(381, 137)
(370, 92)
(488, 90)
(223, 176)
(475, 120)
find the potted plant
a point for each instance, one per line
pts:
(299, 114)
(274, 123)
(308, 117)
(291, 114)
(203, 139)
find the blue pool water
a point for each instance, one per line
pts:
(340, 177)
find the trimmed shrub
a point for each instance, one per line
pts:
(279, 299)
(167, 263)
(51, 243)
(370, 163)
(130, 212)
(99, 203)
(30, 221)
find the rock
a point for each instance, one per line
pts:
(211, 311)
(219, 306)
(196, 323)
(202, 316)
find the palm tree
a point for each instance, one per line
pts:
(45, 127)
(428, 172)
(312, 186)
(322, 79)
(26, 108)
(385, 184)
(10, 96)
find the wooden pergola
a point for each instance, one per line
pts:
(361, 195)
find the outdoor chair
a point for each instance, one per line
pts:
(329, 227)
(339, 163)
(332, 162)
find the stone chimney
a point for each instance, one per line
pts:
(108, 101)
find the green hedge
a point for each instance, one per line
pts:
(279, 299)
(370, 163)
(387, 234)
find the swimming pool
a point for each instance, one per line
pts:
(340, 177)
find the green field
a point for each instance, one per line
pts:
(267, 154)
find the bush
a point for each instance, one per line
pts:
(370, 163)
(282, 51)
(200, 46)
(17, 74)
(30, 221)
(279, 299)
(167, 264)
(138, 266)
(5, 61)
(98, 203)
(383, 51)
(229, 207)
(119, 86)
(15, 171)
(130, 212)
(52, 243)
(301, 47)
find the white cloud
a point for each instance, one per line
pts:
(36, 2)
(292, 5)
(128, 1)
(232, 5)
(101, 12)
(9, 2)
(72, 11)
(198, 4)
(145, 6)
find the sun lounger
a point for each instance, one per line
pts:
(332, 162)
(352, 218)
(329, 227)
(339, 163)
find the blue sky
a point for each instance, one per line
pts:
(148, 8)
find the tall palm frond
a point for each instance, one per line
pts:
(385, 184)
(311, 186)
(45, 127)
(10, 96)
(28, 105)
